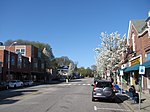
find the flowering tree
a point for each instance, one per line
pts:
(108, 55)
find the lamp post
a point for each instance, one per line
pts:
(9, 59)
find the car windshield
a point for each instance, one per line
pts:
(103, 84)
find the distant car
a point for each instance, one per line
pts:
(27, 82)
(102, 89)
(4, 85)
(15, 83)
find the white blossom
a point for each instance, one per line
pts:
(108, 55)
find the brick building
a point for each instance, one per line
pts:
(32, 66)
(139, 52)
(19, 65)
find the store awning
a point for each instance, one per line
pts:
(146, 64)
(132, 68)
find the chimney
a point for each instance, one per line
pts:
(148, 13)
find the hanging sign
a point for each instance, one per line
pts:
(141, 69)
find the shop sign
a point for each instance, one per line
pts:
(135, 61)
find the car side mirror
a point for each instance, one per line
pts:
(92, 84)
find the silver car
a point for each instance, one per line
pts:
(103, 89)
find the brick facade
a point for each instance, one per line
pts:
(139, 44)
(30, 66)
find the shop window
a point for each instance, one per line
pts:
(148, 78)
(148, 56)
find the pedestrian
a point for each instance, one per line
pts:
(134, 95)
(112, 80)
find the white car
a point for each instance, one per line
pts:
(15, 83)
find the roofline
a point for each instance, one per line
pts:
(140, 34)
(131, 24)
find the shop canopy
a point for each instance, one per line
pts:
(132, 68)
(136, 67)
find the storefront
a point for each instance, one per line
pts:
(132, 70)
(147, 74)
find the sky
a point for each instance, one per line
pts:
(71, 27)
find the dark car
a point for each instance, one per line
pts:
(102, 89)
(4, 85)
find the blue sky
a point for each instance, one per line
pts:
(71, 27)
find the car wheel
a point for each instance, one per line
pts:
(93, 99)
(108, 92)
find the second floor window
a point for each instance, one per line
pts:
(35, 65)
(21, 51)
(13, 60)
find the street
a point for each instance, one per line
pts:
(61, 97)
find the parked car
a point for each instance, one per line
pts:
(4, 85)
(15, 83)
(102, 89)
(27, 82)
(62, 79)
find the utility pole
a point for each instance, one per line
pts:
(9, 78)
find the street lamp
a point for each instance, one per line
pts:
(9, 59)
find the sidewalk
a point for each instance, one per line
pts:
(135, 107)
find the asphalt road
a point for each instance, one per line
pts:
(72, 97)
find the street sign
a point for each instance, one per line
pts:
(141, 69)
(121, 72)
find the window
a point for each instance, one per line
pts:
(35, 65)
(19, 61)
(39, 53)
(148, 56)
(148, 76)
(42, 65)
(21, 51)
(13, 60)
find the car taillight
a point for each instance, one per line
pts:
(114, 89)
(94, 88)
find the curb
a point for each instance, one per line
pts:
(128, 105)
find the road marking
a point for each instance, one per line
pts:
(112, 109)
(95, 108)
